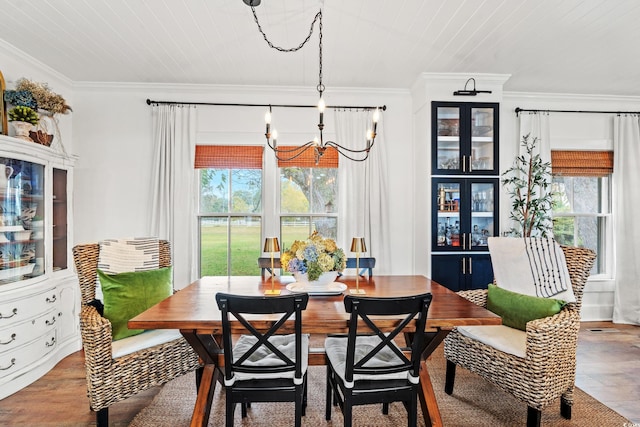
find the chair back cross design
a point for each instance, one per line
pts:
(371, 368)
(261, 366)
(238, 306)
(363, 308)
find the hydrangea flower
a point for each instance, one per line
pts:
(314, 256)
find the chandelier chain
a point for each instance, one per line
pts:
(291, 49)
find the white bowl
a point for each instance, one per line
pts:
(20, 236)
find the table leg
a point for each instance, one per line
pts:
(430, 409)
(201, 411)
(207, 348)
(428, 402)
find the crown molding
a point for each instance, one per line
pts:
(22, 56)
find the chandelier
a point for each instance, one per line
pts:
(318, 144)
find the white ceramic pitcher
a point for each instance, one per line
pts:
(5, 173)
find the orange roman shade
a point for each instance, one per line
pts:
(308, 160)
(228, 156)
(582, 163)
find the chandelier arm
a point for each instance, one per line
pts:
(283, 49)
(291, 150)
(293, 157)
(342, 149)
(344, 152)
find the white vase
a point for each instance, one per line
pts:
(323, 280)
(22, 130)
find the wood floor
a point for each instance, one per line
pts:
(608, 369)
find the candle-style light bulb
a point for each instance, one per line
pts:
(315, 141)
(321, 105)
(376, 117)
(267, 120)
(274, 137)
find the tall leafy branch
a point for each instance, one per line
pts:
(528, 182)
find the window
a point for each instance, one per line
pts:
(230, 209)
(308, 196)
(582, 203)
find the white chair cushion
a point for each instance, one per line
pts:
(265, 357)
(144, 340)
(503, 338)
(336, 349)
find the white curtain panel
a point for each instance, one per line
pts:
(174, 187)
(363, 198)
(626, 206)
(536, 124)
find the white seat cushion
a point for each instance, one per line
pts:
(336, 349)
(265, 357)
(503, 338)
(144, 340)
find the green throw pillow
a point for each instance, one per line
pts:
(517, 309)
(128, 294)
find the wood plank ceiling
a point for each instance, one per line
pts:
(569, 46)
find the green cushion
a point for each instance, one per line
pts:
(517, 309)
(128, 294)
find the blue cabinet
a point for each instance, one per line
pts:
(462, 272)
(465, 187)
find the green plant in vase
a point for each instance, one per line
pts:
(528, 183)
(23, 113)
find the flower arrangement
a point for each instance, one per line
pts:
(23, 114)
(44, 97)
(314, 256)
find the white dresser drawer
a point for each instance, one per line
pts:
(21, 333)
(27, 307)
(23, 357)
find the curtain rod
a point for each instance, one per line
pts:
(518, 110)
(223, 104)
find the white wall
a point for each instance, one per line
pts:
(16, 64)
(113, 135)
(110, 130)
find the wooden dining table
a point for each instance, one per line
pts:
(194, 312)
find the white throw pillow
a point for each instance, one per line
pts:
(534, 266)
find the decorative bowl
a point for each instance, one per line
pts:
(324, 279)
(20, 236)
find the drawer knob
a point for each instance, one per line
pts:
(50, 322)
(13, 338)
(52, 299)
(51, 343)
(14, 312)
(13, 362)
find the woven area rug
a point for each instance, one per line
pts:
(473, 403)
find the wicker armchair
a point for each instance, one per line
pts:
(109, 379)
(548, 370)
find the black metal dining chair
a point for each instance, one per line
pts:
(371, 368)
(264, 366)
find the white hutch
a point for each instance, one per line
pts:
(39, 294)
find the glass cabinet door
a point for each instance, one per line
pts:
(59, 219)
(482, 143)
(464, 138)
(21, 220)
(448, 215)
(482, 214)
(465, 213)
(448, 150)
